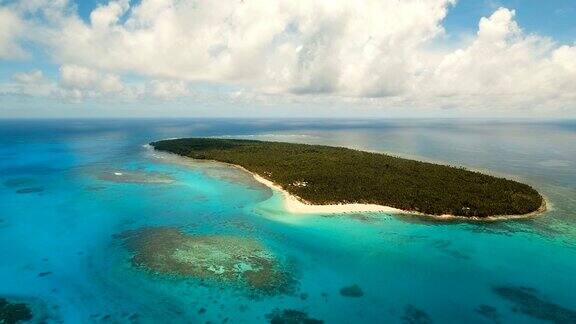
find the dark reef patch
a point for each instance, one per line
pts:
(528, 302)
(352, 291)
(413, 315)
(489, 312)
(30, 190)
(227, 259)
(291, 316)
(14, 312)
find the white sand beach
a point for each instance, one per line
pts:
(295, 205)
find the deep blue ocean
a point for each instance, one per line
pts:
(70, 188)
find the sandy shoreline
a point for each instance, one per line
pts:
(295, 205)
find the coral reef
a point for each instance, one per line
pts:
(527, 301)
(11, 312)
(351, 291)
(291, 316)
(220, 258)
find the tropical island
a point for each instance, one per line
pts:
(326, 175)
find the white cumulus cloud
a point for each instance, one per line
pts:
(384, 53)
(168, 89)
(31, 77)
(79, 82)
(504, 66)
(11, 29)
(78, 77)
(354, 48)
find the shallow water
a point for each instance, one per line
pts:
(70, 189)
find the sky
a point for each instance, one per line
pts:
(285, 58)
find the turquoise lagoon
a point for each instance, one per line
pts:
(69, 189)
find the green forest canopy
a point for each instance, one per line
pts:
(336, 175)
